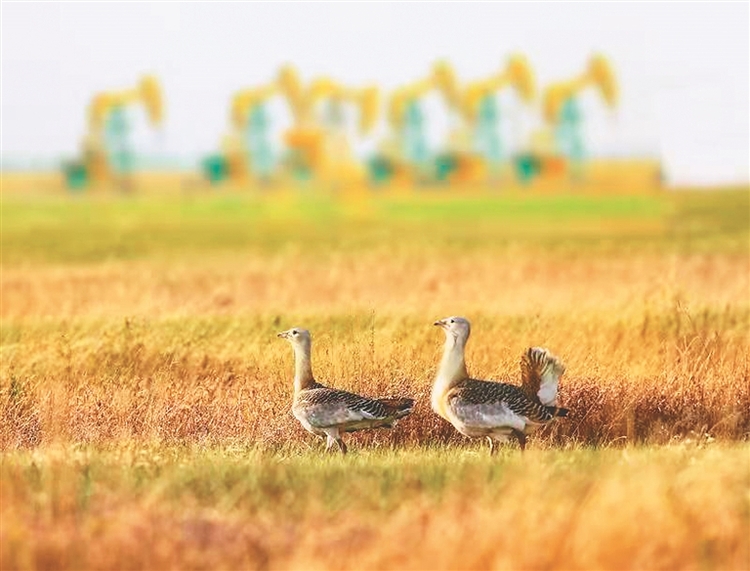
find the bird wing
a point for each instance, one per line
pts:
(325, 407)
(490, 404)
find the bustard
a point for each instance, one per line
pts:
(490, 409)
(328, 412)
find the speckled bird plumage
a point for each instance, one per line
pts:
(476, 392)
(494, 410)
(328, 412)
(323, 406)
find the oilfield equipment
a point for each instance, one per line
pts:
(316, 146)
(246, 149)
(482, 112)
(108, 155)
(320, 148)
(474, 150)
(561, 144)
(406, 155)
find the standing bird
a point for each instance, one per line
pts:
(330, 412)
(490, 409)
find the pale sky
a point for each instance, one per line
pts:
(683, 68)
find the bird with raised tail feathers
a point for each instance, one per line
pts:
(491, 409)
(327, 412)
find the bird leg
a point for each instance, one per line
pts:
(521, 437)
(334, 437)
(493, 448)
(341, 444)
(330, 441)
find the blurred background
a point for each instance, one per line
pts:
(376, 95)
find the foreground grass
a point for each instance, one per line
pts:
(135, 505)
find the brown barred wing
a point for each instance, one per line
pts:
(512, 397)
(325, 407)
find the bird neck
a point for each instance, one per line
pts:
(303, 377)
(452, 368)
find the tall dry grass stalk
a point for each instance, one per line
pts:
(654, 348)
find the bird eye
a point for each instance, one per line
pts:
(294, 332)
(453, 320)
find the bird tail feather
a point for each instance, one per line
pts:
(541, 372)
(400, 407)
(557, 411)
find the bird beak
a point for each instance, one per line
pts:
(283, 335)
(439, 323)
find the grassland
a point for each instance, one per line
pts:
(147, 505)
(145, 397)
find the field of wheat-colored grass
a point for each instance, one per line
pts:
(145, 397)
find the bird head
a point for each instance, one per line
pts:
(297, 336)
(455, 328)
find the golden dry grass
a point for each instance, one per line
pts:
(145, 398)
(151, 506)
(654, 347)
